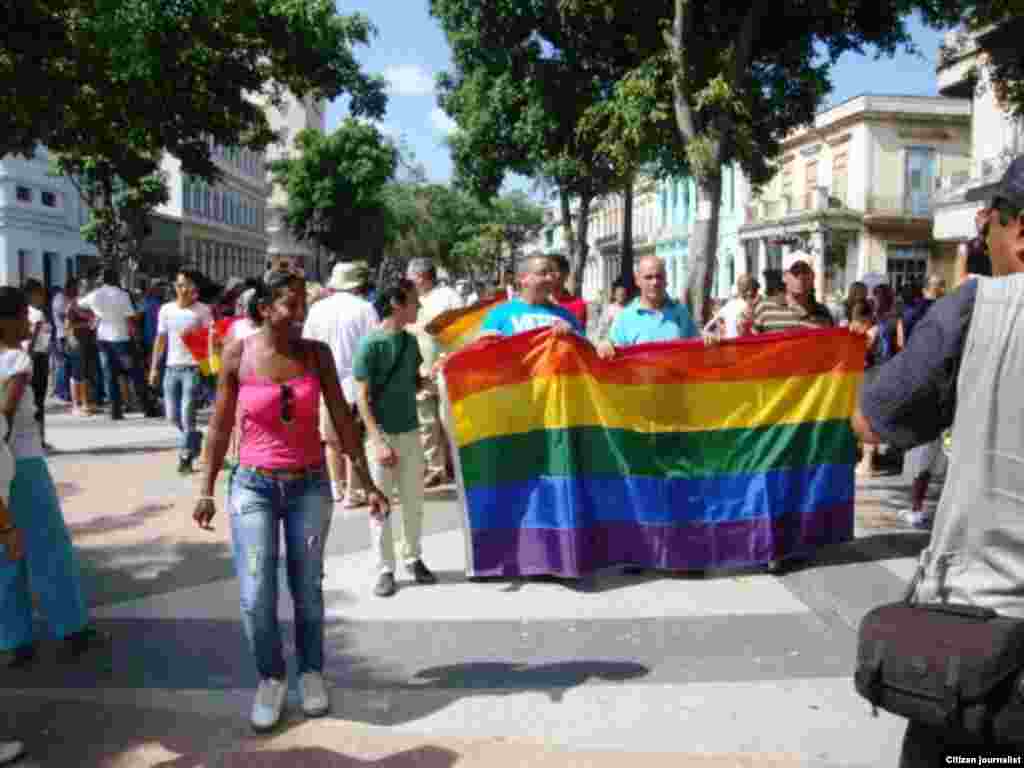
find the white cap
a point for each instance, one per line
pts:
(794, 257)
(348, 276)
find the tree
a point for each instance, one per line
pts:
(335, 184)
(524, 75)
(721, 83)
(107, 84)
(120, 212)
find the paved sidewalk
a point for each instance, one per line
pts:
(741, 669)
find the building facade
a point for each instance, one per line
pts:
(292, 117)
(40, 224)
(857, 189)
(996, 136)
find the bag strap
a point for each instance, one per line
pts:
(394, 367)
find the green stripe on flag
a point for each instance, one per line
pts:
(599, 451)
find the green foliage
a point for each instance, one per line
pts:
(112, 84)
(120, 211)
(335, 184)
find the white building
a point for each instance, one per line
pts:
(40, 220)
(289, 120)
(996, 137)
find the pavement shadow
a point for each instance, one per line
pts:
(320, 757)
(434, 689)
(108, 523)
(84, 733)
(115, 573)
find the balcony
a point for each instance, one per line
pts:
(984, 172)
(916, 206)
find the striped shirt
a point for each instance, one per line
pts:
(771, 316)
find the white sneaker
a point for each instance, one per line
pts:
(267, 706)
(914, 519)
(315, 701)
(10, 751)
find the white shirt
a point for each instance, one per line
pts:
(174, 321)
(439, 299)
(341, 321)
(113, 307)
(42, 344)
(6, 465)
(242, 328)
(26, 442)
(59, 306)
(731, 313)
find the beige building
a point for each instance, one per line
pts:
(857, 191)
(996, 136)
(289, 120)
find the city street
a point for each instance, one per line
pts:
(739, 669)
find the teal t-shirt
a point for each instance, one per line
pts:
(394, 406)
(636, 325)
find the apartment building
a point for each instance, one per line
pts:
(40, 223)
(292, 117)
(857, 191)
(996, 136)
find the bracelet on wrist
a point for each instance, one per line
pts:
(206, 498)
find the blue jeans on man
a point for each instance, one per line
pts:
(258, 506)
(181, 388)
(117, 358)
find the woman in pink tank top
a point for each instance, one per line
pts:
(274, 379)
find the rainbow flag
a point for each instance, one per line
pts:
(456, 328)
(671, 456)
(197, 340)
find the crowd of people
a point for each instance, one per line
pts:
(329, 394)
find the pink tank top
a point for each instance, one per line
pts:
(267, 441)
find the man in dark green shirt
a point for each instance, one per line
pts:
(386, 370)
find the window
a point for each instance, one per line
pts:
(839, 175)
(216, 205)
(906, 265)
(787, 182)
(918, 185)
(206, 202)
(24, 194)
(49, 199)
(186, 193)
(811, 186)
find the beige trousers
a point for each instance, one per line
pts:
(407, 477)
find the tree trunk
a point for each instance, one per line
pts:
(626, 268)
(704, 249)
(567, 236)
(582, 248)
(108, 246)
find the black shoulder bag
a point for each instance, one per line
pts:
(945, 665)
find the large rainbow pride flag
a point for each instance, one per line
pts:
(671, 456)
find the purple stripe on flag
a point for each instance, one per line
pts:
(575, 552)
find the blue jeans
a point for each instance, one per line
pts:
(181, 387)
(258, 505)
(60, 384)
(117, 358)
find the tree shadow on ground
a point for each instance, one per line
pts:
(129, 449)
(87, 733)
(108, 523)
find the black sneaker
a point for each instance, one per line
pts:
(184, 466)
(22, 656)
(385, 586)
(422, 574)
(80, 642)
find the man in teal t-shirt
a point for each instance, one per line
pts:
(533, 307)
(386, 369)
(652, 316)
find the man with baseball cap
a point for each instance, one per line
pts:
(341, 321)
(966, 359)
(797, 308)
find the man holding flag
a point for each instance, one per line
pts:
(181, 378)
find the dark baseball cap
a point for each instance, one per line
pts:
(1009, 188)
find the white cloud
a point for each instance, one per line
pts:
(441, 122)
(409, 80)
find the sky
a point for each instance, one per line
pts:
(410, 50)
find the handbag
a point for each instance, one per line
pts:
(944, 665)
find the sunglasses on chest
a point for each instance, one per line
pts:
(287, 404)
